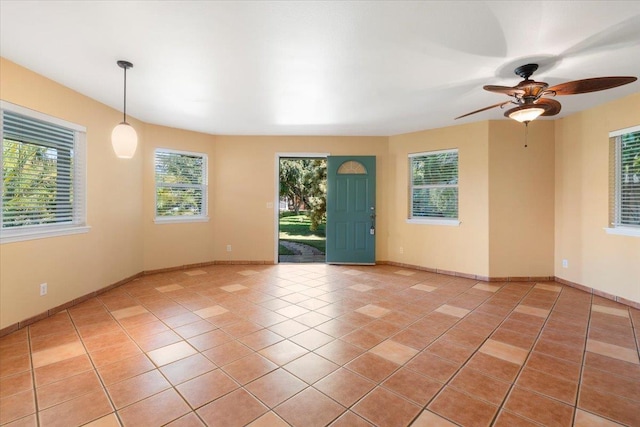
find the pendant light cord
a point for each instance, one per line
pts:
(125, 95)
(125, 65)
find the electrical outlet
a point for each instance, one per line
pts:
(43, 289)
(269, 205)
(565, 263)
(228, 248)
(401, 250)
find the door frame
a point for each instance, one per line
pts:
(276, 204)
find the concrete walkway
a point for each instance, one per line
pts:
(301, 253)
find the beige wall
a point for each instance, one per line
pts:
(605, 262)
(79, 264)
(242, 194)
(245, 170)
(464, 248)
(505, 201)
(173, 245)
(521, 188)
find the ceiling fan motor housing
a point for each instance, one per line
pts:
(532, 91)
(525, 71)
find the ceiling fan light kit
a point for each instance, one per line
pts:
(525, 114)
(532, 98)
(124, 138)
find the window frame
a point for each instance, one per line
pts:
(615, 226)
(174, 219)
(431, 220)
(78, 224)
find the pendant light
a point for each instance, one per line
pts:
(124, 138)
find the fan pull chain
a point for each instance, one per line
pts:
(526, 134)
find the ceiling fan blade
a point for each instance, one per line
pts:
(551, 106)
(507, 90)
(589, 85)
(501, 104)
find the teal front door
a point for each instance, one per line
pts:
(351, 210)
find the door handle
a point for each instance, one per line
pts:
(372, 230)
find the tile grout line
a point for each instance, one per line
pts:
(236, 339)
(386, 294)
(76, 330)
(95, 368)
(524, 363)
(156, 367)
(435, 396)
(636, 331)
(380, 383)
(515, 379)
(582, 363)
(583, 366)
(501, 405)
(308, 386)
(377, 384)
(424, 407)
(35, 388)
(138, 301)
(33, 379)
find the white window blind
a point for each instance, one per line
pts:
(181, 185)
(625, 179)
(43, 174)
(434, 185)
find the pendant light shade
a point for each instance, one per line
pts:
(124, 138)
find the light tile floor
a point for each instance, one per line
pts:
(315, 345)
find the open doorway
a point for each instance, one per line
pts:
(302, 209)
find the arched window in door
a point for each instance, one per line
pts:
(352, 167)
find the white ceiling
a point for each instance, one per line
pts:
(319, 68)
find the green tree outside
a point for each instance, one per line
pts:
(435, 192)
(179, 190)
(303, 182)
(630, 179)
(36, 184)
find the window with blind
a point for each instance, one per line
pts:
(181, 186)
(433, 191)
(624, 201)
(43, 175)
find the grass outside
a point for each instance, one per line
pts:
(284, 251)
(295, 228)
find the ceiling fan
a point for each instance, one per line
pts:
(532, 98)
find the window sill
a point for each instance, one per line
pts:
(432, 221)
(180, 219)
(12, 236)
(623, 231)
